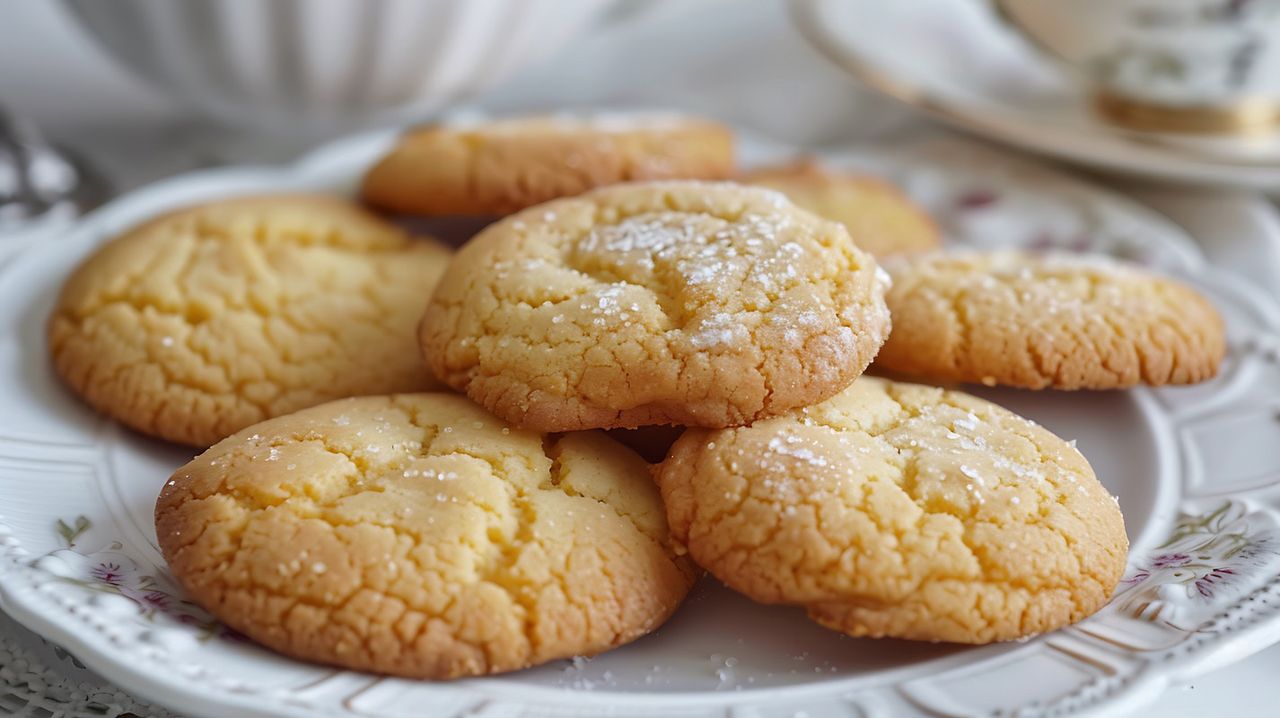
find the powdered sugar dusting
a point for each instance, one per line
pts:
(731, 281)
(719, 331)
(794, 447)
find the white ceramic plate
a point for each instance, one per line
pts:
(78, 560)
(967, 68)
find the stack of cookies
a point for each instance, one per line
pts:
(625, 288)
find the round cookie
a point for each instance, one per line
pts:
(417, 535)
(204, 321)
(690, 303)
(1046, 321)
(501, 166)
(900, 510)
(879, 217)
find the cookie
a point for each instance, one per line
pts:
(418, 536)
(900, 510)
(204, 321)
(1046, 321)
(879, 217)
(688, 303)
(502, 166)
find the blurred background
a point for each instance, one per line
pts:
(113, 91)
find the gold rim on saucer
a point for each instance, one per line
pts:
(1250, 116)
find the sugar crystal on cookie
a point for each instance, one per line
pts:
(673, 302)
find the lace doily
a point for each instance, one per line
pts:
(32, 687)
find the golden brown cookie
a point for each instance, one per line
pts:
(691, 303)
(900, 510)
(419, 536)
(204, 321)
(502, 166)
(878, 216)
(1046, 321)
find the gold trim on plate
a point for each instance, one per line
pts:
(1250, 116)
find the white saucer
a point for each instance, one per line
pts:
(960, 63)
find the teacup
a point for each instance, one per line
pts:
(1199, 66)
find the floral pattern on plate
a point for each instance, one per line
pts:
(1209, 559)
(113, 571)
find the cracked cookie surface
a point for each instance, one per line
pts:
(204, 321)
(501, 166)
(878, 215)
(1046, 321)
(900, 510)
(419, 536)
(685, 303)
